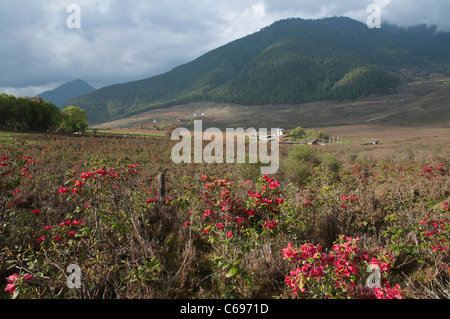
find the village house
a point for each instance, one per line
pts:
(312, 142)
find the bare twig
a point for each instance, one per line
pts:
(133, 222)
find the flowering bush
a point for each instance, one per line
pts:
(233, 225)
(89, 206)
(340, 273)
(432, 234)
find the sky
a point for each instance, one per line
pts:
(45, 43)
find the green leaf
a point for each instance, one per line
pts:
(233, 271)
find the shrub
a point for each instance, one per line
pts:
(340, 273)
(297, 166)
(331, 162)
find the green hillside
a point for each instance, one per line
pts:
(290, 62)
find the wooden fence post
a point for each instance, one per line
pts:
(162, 186)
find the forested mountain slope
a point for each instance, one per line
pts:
(290, 62)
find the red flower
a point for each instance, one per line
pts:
(274, 184)
(384, 266)
(14, 277)
(220, 226)
(289, 252)
(71, 233)
(57, 238)
(36, 212)
(373, 261)
(28, 277)
(10, 288)
(207, 213)
(77, 191)
(229, 234)
(271, 224)
(78, 183)
(41, 239)
(64, 190)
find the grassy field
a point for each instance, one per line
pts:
(124, 132)
(222, 230)
(395, 142)
(6, 137)
(419, 102)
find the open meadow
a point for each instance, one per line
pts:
(344, 220)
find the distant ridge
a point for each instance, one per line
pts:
(67, 91)
(292, 61)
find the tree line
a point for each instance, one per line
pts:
(312, 134)
(36, 114)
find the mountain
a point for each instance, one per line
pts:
(292, 61)
(67, 91)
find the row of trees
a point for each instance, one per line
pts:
(35, 114)
(299, 132)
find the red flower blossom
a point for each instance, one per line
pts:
(77, 191)
(271, 224)
(78, 183)
(13, 278)
(64, 190)
(207, 213)
(28, 277)
(10, 288)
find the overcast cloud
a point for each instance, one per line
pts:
(121, 41)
